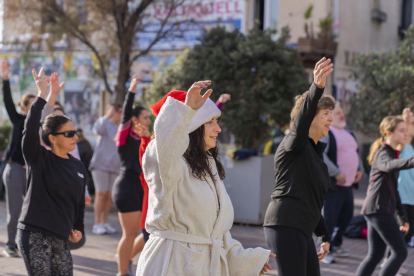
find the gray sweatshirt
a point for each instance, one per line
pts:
(105, 157)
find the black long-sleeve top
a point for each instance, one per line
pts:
(301, 175)
(55, 198)
(128, 142)
(382, 194)
(14, 149)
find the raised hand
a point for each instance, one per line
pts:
(5, 70)
(224, 98)
(267, 265)
(110, 112)
(75, 236)
(55, 87)
(134, 82)
(324, 250)
(141, 130)
(194, 99)
(322, 70)
(407, 115)
(41, 82)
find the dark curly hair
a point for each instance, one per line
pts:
(52, 124)
(197, 157)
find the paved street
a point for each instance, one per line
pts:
(97, 256)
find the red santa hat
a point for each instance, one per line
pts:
(204, 114)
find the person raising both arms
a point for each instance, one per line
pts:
(302, 180)
(190, 213)
(54, 206)
(14, 175)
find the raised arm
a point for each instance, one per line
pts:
(222, 100)
(31, 146)
(171, 127)
(125, 125)
(300, 128)
(7, 97)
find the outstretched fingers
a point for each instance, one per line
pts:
(35, 76)
(41, 72)
(207, 94)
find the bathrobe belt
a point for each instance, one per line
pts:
(217, 249)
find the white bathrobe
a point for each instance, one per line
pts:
(189, 219)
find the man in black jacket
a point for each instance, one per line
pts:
(345, 169)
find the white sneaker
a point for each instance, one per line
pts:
(99, 229)
(109, 229)
(329, 259)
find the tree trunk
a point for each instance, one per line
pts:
(123, 76)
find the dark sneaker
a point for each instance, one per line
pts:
(130, 272)
(10, 252)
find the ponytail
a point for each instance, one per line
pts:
(373, 149)
(388, 124)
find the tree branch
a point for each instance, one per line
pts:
(72, 28)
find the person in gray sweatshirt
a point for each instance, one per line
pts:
(105, 167)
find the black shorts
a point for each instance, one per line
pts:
(127, 193)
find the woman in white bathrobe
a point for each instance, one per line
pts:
(190, 213)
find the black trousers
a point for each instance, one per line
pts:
(338, 211)
(146, 235)
(409, 210)
(45, 255)
(383, 231)
(295, 252)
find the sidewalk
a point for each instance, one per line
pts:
(97, 256)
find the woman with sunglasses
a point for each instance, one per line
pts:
(53, 209)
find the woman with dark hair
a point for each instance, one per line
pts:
(53, 209)
(14, 175)
(127, 191)
(302, 180)
(190, 213)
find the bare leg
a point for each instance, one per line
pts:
(106, 207)
(130, 228)
(99, 205)
(138, 245)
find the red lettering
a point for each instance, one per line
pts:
(237, 7)
(157, 11)
(227, 8)
(219, 7)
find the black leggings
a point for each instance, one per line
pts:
(45, 255)
(383, 231)
(296, 253)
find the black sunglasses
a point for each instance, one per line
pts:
(67, 134)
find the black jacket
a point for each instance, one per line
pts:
(55, 199)
(382, 194)
(302, 178)
(14, 149)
